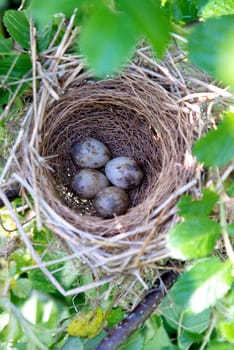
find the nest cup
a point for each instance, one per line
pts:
(136, 117)
(133, 117)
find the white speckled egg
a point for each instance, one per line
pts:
(124, 172)
(88, 182)
(90, 153)
(111, 201)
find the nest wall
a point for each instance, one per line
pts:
(134, 116)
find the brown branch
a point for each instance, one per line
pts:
(119, 333)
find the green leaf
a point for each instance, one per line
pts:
(217, 8)
(229, 187)
(202, 207)
(220, 346)
(43, 38)
(230, 229)
(216, 148)
(160, 338)
(43, 10)
(90, 344)
(225, 330)
(186, 339)
(183, 11)
(14, 66)
(194, 238)
(5, 45)
(41, 283)
(107, 39)
(151, 20)
(115, 316)
(217, 56)
(176, 316)
(17, 25)
(135, 341)
(12, 331)
(23, 288)
(73, 343)
(201, 286)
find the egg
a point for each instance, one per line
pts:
(111, 201)
(124, 172)
(88, 182)
(90, 153)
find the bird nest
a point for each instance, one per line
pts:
(134, 116)
(149, 113)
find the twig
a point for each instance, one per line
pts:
(143, 310)
(226, 239)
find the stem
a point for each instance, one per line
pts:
(226, 239)
(206, 338)
(119, 334)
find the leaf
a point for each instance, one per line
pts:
(160, 338)
(202, 207)
(225, 330)
(14, 67)
(230, 229)
(135, 341)
(151, 20)
(220, 346)
(186, 339)
(217, 56)
(176, 316)
(5, 45)
(216, 148)
(23, 288)
(115, 316)
(194, 238)
(183, 11)
(43, 10)
(90, 344)
(87, 325)
(17, 25)
(41, 283)
(43, 38)
(217, 8)
(112, 35)
(229, 187)
(12, 331)
(200, 287)
(72, 343)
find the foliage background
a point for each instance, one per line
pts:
(33, 315)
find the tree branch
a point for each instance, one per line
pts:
(120, 332)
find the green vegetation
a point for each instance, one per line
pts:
(33, 315)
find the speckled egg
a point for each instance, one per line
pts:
(88, 182)
(90, 153)
(111, 201)
(124, 172)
